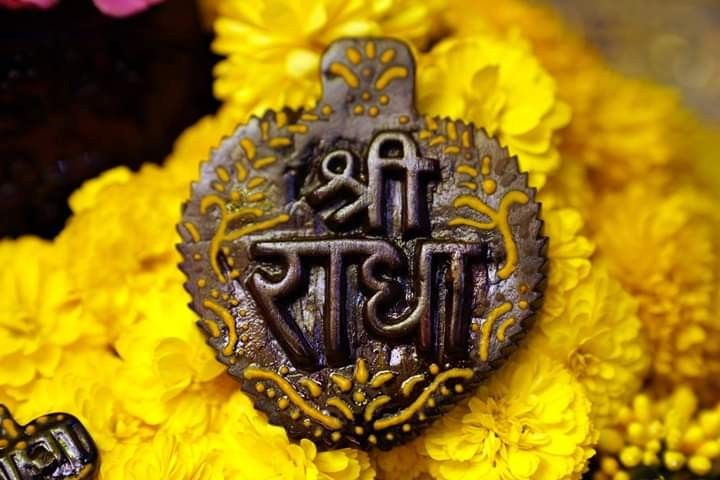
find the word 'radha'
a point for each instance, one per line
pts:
(359, 267)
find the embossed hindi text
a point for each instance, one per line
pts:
(439, 312)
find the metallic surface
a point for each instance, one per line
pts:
(55, 446)
(357, 266)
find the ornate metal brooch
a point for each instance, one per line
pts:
(358, 267)
(55, 446)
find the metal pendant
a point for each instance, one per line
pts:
(359, 267)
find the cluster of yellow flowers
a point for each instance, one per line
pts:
(95, 322)
(670, 433)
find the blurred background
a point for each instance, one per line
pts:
(81, 92)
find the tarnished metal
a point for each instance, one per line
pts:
(357, 266)
(53, 447)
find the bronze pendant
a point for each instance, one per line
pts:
(55, 446)
(359, 267)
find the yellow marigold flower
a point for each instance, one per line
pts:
(120, 243)
(568, 187)
(613, 145)
(84, 384)
(39, 315)
(167, 369)
(266, 451)
(560, 49)
(91, 191)
(273, 47)
(569, 256)
(705, 144)
(668, 432)
(663, 246)
(531, 420)
(599, 339)
(166, 456)
(405, 461)
(500, 86)
(618, 147)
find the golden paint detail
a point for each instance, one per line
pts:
(523, 305)
(212, 327)
(248, 147)
(280, 142)
(409, 384)
(192, 230)
(241, 172)
(452, 131)
(222, 174)
(387, 56)
(221, 234)
(330, 422)
(255, 182)
(497, 219)
(489, 186)
(264, 162)
(344, 72)
(452, 149)
(353, 55)
(343, 407)
(381, 378)
(10, 428)
(311, 386)
(390, 74)
(485, 165)
(370, 49)
(492, 317)
(229, 324)
(373, 405)
(361, 371)
(407, 413)
(342, 382)
(297, 128)
(502, 329)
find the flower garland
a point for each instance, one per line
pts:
(621, 367)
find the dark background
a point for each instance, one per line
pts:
(81, 92)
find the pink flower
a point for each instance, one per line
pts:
(122, 8)
(114, 8)
(27, 3)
